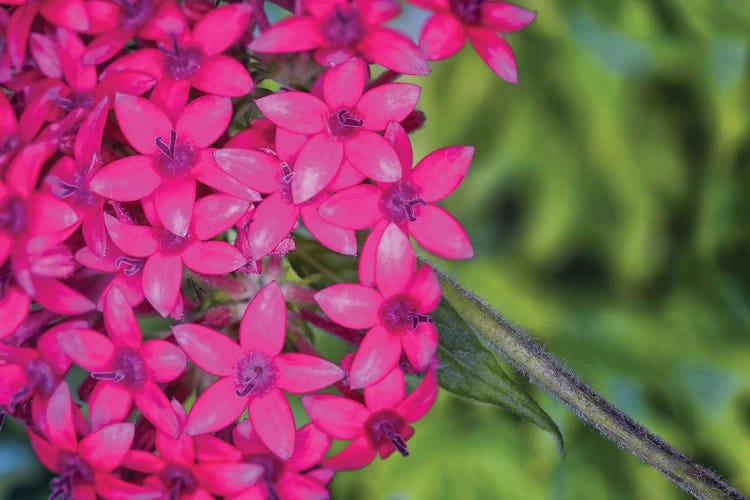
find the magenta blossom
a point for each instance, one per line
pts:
(479, 21)
(342, 125)
(253, 373)
(128, 369)
(341, 29)
(120, 270)
(397, 313)
(379, 427)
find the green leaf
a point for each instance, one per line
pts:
(319, 266)
(469, 370)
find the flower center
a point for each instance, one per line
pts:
(135, 13)
(399, 202)
(73, 469)
(343, 123)
(171, 243)
(397, 314)
(182, 62)
(77, 191)
(130, 266)
(385, 427)
(467, 11)
(255, 374)
(129, 369)
(286, 174)
(177, 157)
(344, 27)
(13, 215)
(272, 467)
(8, 143)
(42, 377)
(179, 480)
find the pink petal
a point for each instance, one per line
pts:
(212, 257)
(215, 213)
(80, 78)
(496, 53)
(287, 144)
(299, 486)
(386, 103)
(14, 308)
(23, 172)
(217, 407)
(310, 446)
(105, 46)
(355, 456)
(227, 479)
(162, 276)
(44, 52)
(253, 168)
(442, 36)
(212, 449)
(263, 325)
(369, 254)
(60, 298)
(142, 461)
(120, 320)
(8, 121)
(353, 208)
(94, 232)
(127, 81)
(505, 17)
(127, 179)
(109, 486)
(164, 360)
(171, 96)
(14, 379)
(440, 234)
(301, 373)
(399, 139)
(205, 119)
(420, 345)
(419, 402)
(47, 453)
(109, 403)
(377, 355)
(387, 393)
(425, 288)
(141, 122)
(61, 432)
(378, 11)
(273, 421)
(441, 171)
(273, 220)
(90, 350)
(208, 172)
(343, 84)
(338, 417)
(372, 155)
(221, 27)
(137, 241)
(347, 176)
(47, 214)
(338, 239)
(316, 166)
(155, 408)
(149, 61)
(210, 350)
(174, 200)
(294, 34)
(395, 261)
(223, 76)
(105, 449)
(393, 50)
(350, 305)
(295, 111)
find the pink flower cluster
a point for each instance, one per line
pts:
(122, 188)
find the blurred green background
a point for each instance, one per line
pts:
(607, 205)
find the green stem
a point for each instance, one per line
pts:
(550, 374)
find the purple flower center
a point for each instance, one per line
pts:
(128, 369)
(73, 469)
(171, 243)
(467, 11)
(398, 314)
(343, 123)
(135, 13)
(129, 266)
(77, 191)
(344, 27)
(177, 157)
(13, 215)
(179, 480)
(75, 100)
(182, 62)
(385, 427)
(41, 380)
(400, 201)
(8, 143)
(272, 467)
(254, 374)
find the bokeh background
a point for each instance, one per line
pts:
(609, 212)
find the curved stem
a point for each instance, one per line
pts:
(544, 370)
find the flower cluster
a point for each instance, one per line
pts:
(129, 186)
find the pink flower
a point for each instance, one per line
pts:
(380, 427)
(397, 313)
(408, 203)
(341, 29)
(342, 125)
(480, 21)
(173, 156)
(127, 368)
(165, 252)
(284, 479)
(122, 271)
(253, 373)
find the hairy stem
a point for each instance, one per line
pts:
(547, 372)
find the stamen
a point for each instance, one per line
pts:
(130, 266)
(286, 173)
(114, 376)
(416, 319)
(168, 150)
(61, 489)
(19, 397)
(348, 119)
(60, 188)
(2, 419)
(409, 208)
(398, 443)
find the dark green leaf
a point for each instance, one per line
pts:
(321, 266)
